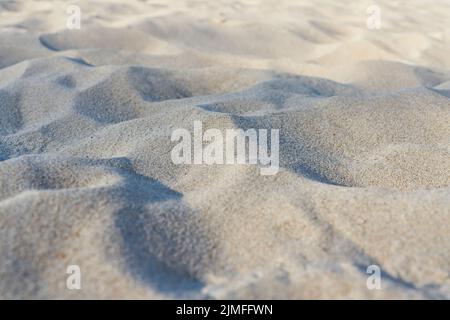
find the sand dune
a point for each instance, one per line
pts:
(86, 176)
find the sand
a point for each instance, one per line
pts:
(86, 176)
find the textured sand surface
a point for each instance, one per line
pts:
(86, 176)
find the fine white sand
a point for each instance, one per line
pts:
(86, 176)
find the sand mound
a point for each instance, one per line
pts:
(86, 175)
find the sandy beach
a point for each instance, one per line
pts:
(349, 107)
